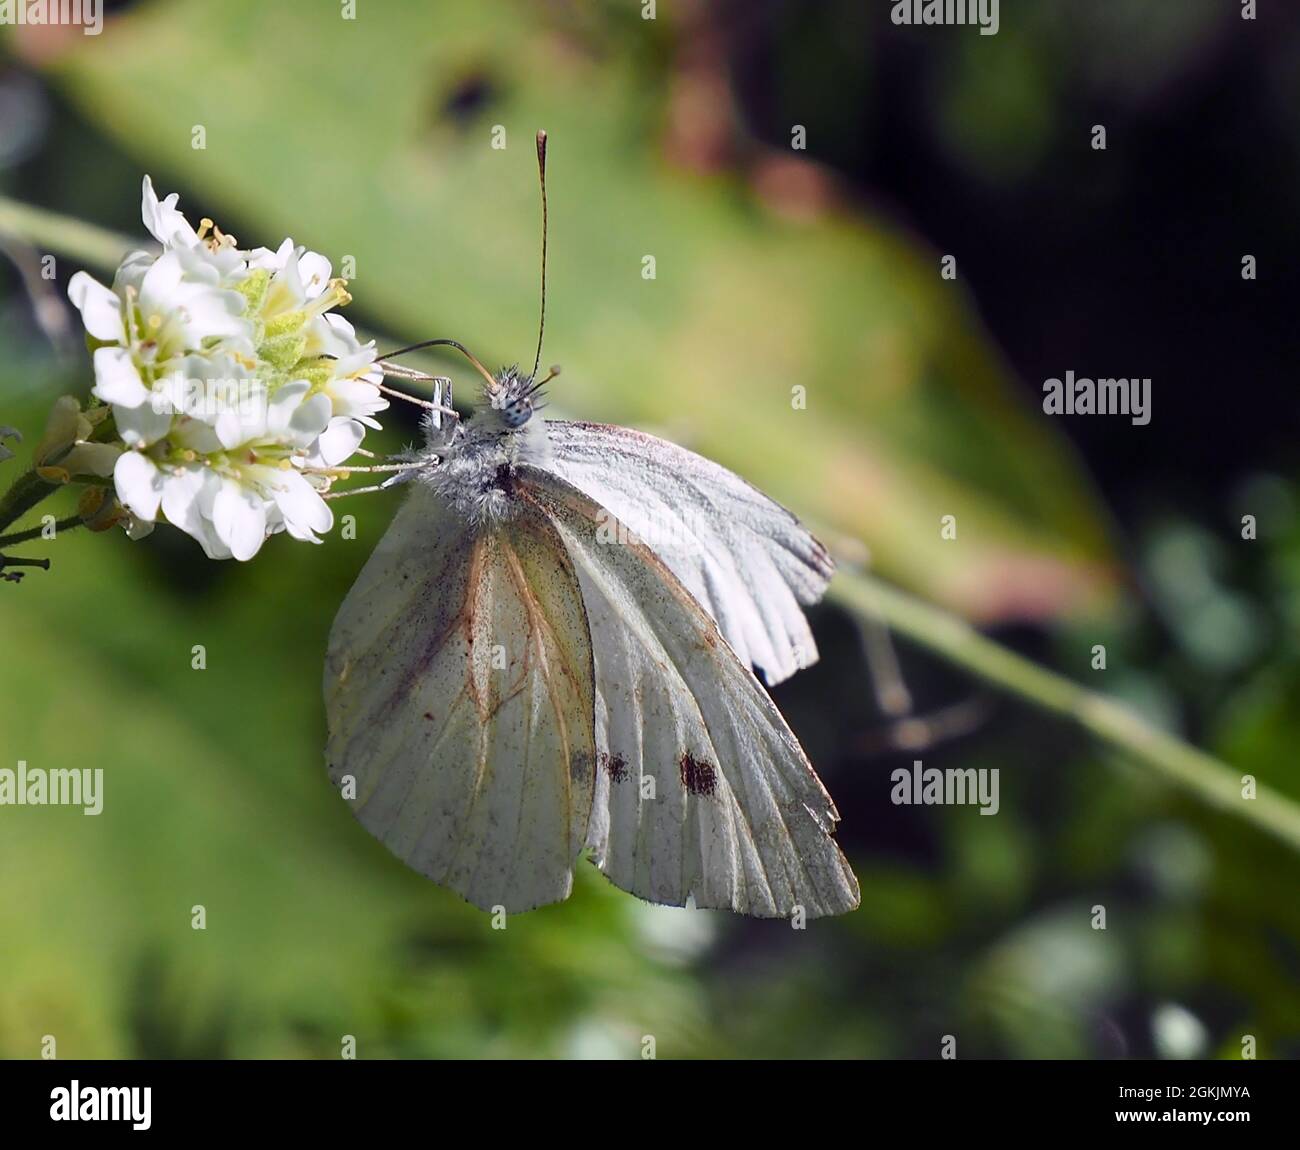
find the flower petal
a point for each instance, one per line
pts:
(338, 441)
(139, 485)
(166, 223)
(304, 511)
(117, 379)
(143, 425)
(101, 310)
(314, 270)
(239, 517)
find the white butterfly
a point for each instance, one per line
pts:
(517, 676)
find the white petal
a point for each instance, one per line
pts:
(239, 517)
(293, 415)
(101, 310)
(180, 498)
(272, 261)
(187, 501)
(143, 425)
(210, 311)
(131, 272)
(139, 485)
(117, 379)
(343, 329)
(338, 441)
(196, 435)
(311, 418)
(164, 220)
(304, 511)
(314, 270)
(158, 288)
(356, 398)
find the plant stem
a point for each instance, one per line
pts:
(71, 523)
(24, 493)
(1107, 720)
(20, 561)
(63, 234)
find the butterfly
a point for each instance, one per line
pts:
(550, 651)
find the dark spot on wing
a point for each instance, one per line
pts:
(616, 765)
(429, 715)
(698, 777)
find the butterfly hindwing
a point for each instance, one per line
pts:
(702, 789)
(460, 697)
(744, 558)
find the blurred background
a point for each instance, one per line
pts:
(775, 265)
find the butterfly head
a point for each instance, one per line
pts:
(512, 398)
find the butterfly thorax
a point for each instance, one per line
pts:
(474, 468)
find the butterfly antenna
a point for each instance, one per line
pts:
(536, 387)
(460, 347)
(541, 176)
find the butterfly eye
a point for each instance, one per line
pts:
(517, 412)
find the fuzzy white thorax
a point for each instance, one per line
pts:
(472, 471)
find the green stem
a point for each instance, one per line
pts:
(71, 523)
(20, 561)
(50, 231)
(24, 493)
(1108, 721)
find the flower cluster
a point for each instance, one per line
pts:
(231, 387)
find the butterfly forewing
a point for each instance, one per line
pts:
(459, 696)
(746, 560)
(701, 788)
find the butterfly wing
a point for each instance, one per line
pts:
(735, 815)
(459, 696)
(746, 559)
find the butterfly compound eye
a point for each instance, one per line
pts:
(517, 412)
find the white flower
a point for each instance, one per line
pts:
(216, 259)
(353, 383)
(231, 496)
(297, 275)
(152, 326)
(232, 386)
